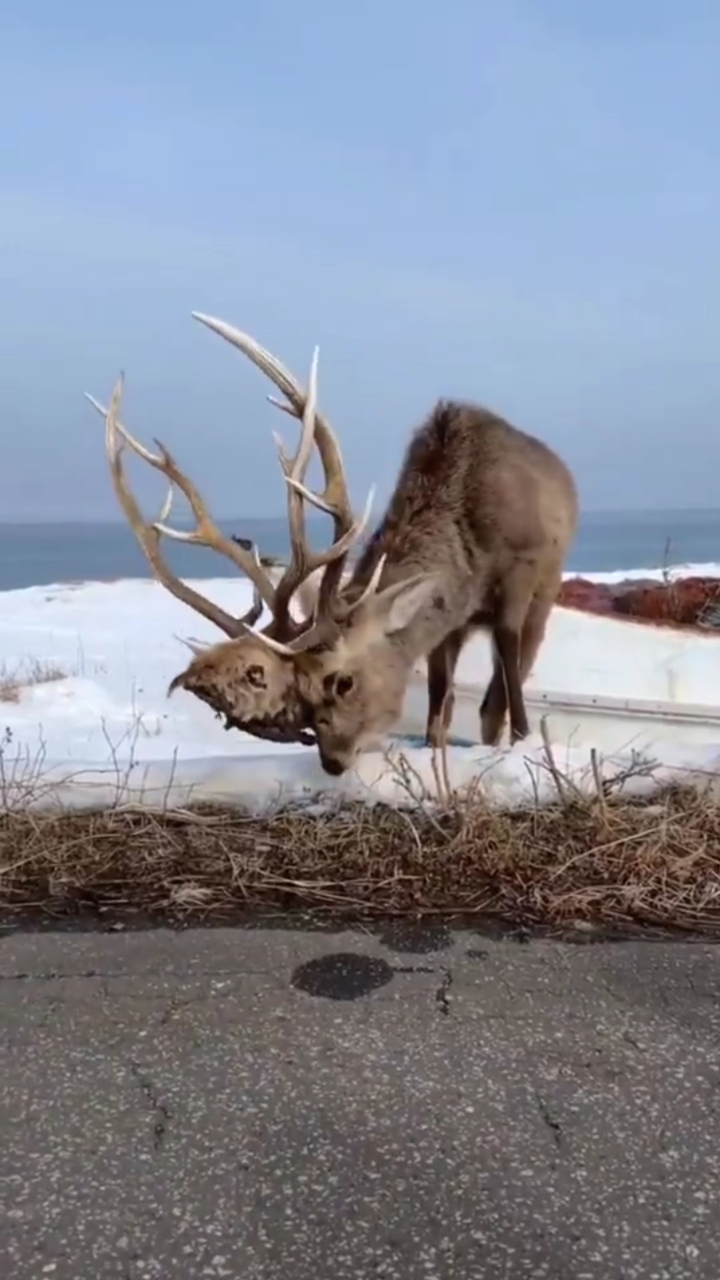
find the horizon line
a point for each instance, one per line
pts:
(118, 521)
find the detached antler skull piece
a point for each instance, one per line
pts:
(255, 668)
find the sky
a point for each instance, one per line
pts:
(510, 201)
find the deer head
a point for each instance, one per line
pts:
(256, 679)
(352, 692)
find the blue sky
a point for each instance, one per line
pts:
(513, 202)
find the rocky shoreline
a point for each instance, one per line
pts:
(692, 603)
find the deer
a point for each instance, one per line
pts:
(474, 538)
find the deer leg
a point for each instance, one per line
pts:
(508, 642)
(493, 705)
(501, 690)
(533, 632)
(497, 697)
(441, 664)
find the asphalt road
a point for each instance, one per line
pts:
(297, 1106)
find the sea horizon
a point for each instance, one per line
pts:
(37, 553)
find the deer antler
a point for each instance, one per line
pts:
(283, 634)
(334, 499)
(206, 533)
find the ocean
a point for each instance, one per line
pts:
(40, 554)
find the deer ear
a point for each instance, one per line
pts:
(398, 605)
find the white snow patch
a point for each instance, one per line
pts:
(672, 573)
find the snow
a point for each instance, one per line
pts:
(671, 573)
(107, 731)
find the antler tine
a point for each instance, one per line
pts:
(294, 469)
(336, 495)
(317, 627)
(334, 500)
(148, 533)
(305, 561)
(206, 532)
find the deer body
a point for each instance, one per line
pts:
(488, 513)
(474, 536)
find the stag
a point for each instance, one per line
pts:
(474, 537)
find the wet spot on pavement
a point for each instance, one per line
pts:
(416, 937)
(344, 976)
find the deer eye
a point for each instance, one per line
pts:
(255, 675)
(344, 685)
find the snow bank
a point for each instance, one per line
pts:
(107, 729)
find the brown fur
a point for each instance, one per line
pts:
(475, 535)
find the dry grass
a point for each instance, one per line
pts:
(13, 682)
(610, 862)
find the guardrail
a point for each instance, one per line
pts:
(598, 720)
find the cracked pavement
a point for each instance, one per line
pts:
(411, 1105)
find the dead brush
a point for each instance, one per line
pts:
(600, 858)
(14, 680)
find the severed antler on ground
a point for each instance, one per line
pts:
(283, 634)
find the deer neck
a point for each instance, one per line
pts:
(432, 625)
